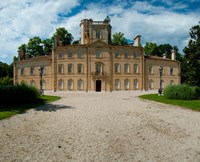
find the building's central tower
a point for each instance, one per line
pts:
(92, 31)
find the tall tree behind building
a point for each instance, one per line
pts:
(191, 61)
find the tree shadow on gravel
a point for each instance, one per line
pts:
(50, 107)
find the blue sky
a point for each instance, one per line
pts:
(159, 21)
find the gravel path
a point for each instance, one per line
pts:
(91, 126)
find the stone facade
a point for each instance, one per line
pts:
(96, 65)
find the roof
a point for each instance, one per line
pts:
(158, 58)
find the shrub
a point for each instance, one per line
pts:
(184, 92)
(18, 94)
(198, 92)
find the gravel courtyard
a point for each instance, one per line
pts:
(104, 127)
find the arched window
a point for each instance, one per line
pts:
(151, 84)
(80, 85)
(117, 84)
(32, 83)
(126, 84)
(99, 68)
(60, 84)
(70, 84)
(117, 68)
(43, 84)
(80, 68)
(126, 68)
(136, 84)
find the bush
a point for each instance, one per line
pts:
(18, 94)
(198, 92)
(184, 92)
(6, 81)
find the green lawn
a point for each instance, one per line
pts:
(10, 110)
(192, 104)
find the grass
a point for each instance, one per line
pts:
(191, 104)
(8, 111)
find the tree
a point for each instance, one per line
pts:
(119, 39)
(191, 61)
(47, 46)
(151, 49)
(77, 41)
(35, 47)
(63, 35)
(23, 48)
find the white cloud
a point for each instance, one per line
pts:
(20, 21)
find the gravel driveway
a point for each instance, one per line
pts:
(105, 127)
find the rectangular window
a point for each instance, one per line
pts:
(98, 54)
(60, 55)
(80, 54)
(60, 69)
(150, 69)
(22, 71)
(135, 54)
(171, 71)
(117, 54)
(126, 54)
(70, 68)
(32, 71)
(126, 68)
(98, 34)
(136, 69)
(117, 68)
(70, 54)
(80, 68)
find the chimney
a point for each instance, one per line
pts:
(26, 56)
(173, 54)
(137, 40)
(164, 55)
(20, 55)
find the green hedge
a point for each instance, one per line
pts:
(184, 92)
(18, 94)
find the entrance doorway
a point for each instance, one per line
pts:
(98, 85)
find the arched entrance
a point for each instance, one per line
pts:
(98, 85)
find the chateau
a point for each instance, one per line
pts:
(96, 65)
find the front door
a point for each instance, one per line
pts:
(98, 86)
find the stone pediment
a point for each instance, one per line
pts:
(99, 44)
